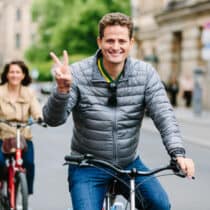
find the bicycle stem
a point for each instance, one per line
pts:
(18, 138)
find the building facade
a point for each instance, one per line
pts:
(168, 33)
(17, 31)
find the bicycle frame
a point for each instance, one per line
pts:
(11, 185)
(89, 160)
(132, 196)
(14, 165)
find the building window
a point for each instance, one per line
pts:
(18, 14)
(177, 51)
(17, 41)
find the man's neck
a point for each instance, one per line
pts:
(113, 69)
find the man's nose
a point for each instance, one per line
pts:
(116, 45)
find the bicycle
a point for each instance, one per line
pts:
(14, 189)
(109, 202)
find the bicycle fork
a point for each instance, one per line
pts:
(11, 186)
(109, 198)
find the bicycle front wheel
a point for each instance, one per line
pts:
(4, 199)
(21, 201)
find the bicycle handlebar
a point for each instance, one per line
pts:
(39, 121)
(89, 160)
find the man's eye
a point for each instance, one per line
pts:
(110, 41)
(122, 41)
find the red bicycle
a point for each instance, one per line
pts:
(14, 189)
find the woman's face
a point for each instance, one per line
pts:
(15, 75)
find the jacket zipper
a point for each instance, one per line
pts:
(115, 135)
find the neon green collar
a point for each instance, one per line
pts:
(104, 72)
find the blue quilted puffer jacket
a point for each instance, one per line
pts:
(112, 133)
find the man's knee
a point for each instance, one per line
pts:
(160, 203)
(155, 202)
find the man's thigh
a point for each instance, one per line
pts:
(88, 186)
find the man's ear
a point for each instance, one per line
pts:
(99, 42)
(132, 42)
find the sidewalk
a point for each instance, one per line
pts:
(195, 129)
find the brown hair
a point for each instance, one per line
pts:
(27, 79)
(115, 18)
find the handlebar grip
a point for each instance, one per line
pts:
(176, 168)
(41, 122)
(78, 158)
(74, 158)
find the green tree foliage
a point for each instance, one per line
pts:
(70, 25)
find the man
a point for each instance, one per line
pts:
(107, 95)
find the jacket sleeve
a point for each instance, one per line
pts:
(59, 106)
(35, 106)
(162, 113)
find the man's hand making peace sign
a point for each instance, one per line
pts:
(63, 75)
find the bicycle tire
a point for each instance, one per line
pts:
(4, 204)
(21, 197)
(4, 199)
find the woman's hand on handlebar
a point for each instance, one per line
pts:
(41, 122)
(187, 166)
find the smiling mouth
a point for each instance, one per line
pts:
(115, 54)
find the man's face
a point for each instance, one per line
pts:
(115, 44)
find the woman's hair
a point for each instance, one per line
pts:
(27, 79)
(115, 18)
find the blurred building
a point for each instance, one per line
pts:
(168, 34)
(17, 30)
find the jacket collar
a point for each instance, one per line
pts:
(97, 77)
(22, 98)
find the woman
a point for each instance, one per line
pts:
(18, 103)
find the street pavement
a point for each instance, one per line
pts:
(194, 128)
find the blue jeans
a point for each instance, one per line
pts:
(28, 163)
(88, 186)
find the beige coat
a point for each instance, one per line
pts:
(26, 106)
